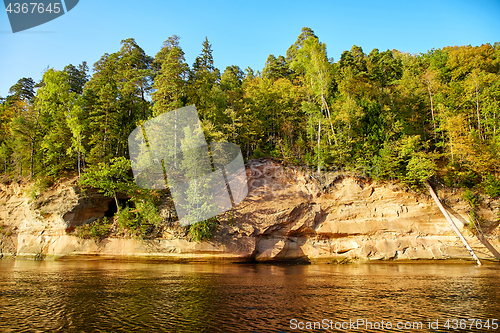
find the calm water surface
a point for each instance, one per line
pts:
(101, 296)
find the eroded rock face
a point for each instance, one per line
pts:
(287, 215)
(292, 217)
(89, 209)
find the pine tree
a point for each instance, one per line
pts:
(202, 80)
(276, 68)
(170, 77)
(24, 89)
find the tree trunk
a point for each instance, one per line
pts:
(105, 134)
(319, 139)
(78, 162)
(432, 110)
(453, 225)
(494, 121)
(175, 138)
(477, 108)
(32, 160)
(143, 104)
(117, 203)
(330, 119)
(451, 149)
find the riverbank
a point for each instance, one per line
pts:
(288, 215)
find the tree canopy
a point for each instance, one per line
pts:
(403, 116)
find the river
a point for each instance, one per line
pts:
(112, 296)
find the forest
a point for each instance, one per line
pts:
(409, 117)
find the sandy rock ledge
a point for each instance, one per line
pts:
(286, 216)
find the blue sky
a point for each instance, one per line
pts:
(242, 33)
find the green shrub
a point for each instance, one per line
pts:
(420, 169)
(148, 212)
(140, 221)
(492, 186)
(467, 178)
(450, 179)
(39, 186)
(257, 153)
(459, 176)
(387, 163)
(203, 230)
(470, 198)
(98, 229)
(127, 219)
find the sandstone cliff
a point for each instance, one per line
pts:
(287, 215)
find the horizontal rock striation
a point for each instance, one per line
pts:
(288, 215)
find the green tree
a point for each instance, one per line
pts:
(311, 59)
(77, 77)
(101, 104)
(276, 68)
(56, 103)
(292, 51)
(116, 100)
(110, 179)
(20, 129)
(272, 117)
(25, 139)
(5, 154)
(171, 73)
(134, 79)
(24, 89)
(202, 82)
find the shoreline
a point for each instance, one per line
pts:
(194, 260)
(349, 220)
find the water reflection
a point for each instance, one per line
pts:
(100, 296)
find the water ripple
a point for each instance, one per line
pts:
(125, 297)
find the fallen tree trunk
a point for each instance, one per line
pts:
(453, 225)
